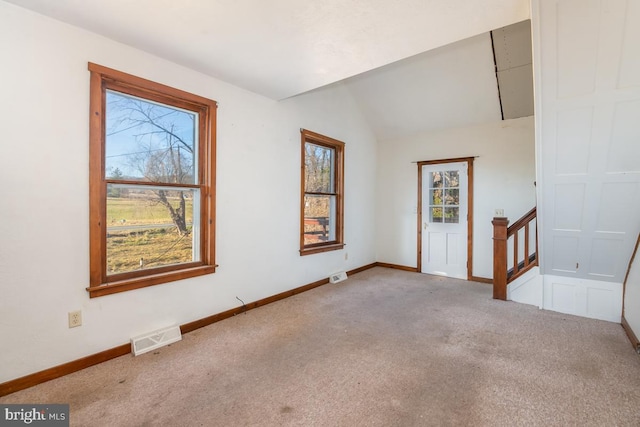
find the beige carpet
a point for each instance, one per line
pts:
(385, 348)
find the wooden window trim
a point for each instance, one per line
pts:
(103, 78)
(338, 146)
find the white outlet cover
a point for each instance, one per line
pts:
(75, 319)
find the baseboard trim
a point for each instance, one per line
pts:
(396, 267)
(415, 270)
(62, 370)
(188, 327)
(481, 279)
(68, 368)
(361, 269)
(632, 336)
(200, 323)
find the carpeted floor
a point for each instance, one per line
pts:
(384, 348)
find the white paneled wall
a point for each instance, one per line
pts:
(587, 67)
(588, 298)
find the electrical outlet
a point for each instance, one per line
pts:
(498, 213)
(75, 319)
(346, 256)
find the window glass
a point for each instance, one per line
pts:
(444, 197)
(146, 227)
(319, 170)
(319, 219)
(149, 141)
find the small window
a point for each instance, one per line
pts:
(152, 151)
(322, 197)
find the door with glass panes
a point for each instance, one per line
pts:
(444, 219)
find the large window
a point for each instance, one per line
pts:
(322, 218)
(152, 169)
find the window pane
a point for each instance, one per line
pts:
(452, 215)
(452, 197)
(148, 141)
(435, 214)
(435, 180)
(435, 197)
(319, 169)
(452, 179)
(319, 219)
(148, 228)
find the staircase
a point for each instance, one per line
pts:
(515, 250)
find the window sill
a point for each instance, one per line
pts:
(143, 282)
(324, 248)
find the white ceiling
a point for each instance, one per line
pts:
(281, 48)
(452, 86)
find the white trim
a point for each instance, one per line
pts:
(594, 299)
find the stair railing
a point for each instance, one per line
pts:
(515, 250)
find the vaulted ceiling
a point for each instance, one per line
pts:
(282, 48)
(451, 86)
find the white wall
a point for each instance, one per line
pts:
(504, 175)
(44, 224)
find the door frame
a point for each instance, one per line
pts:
(469, 161)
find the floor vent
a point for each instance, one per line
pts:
(338, 277)
(156, 339)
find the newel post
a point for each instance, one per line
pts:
(500, 258)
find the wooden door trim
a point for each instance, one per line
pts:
(469, 161)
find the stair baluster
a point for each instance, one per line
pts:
(502, 275)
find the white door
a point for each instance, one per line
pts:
(444, 219)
